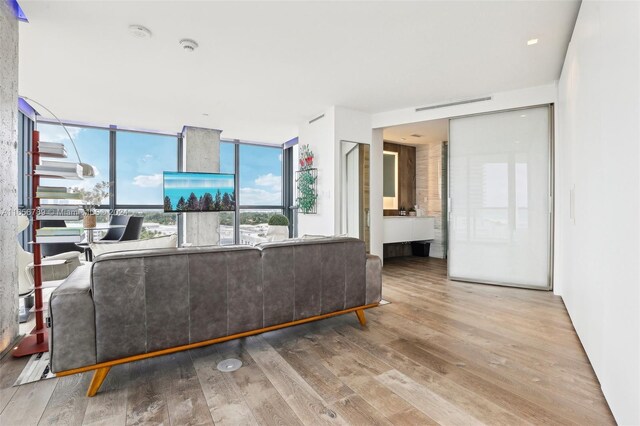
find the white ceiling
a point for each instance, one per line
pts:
(263, 67)
(418, 133)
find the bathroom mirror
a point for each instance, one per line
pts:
(355, 190)
(390, 180)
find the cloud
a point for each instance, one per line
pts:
(148, 181)
(257, 197)
(55, 133)
(270, 180)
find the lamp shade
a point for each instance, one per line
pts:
(88, 170)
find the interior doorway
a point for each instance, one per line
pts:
(420, 151)
(355, 180)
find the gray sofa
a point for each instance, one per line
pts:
(137, 304)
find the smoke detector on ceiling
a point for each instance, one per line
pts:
(188, 45)
(139, 31)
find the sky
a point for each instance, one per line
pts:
(142, 158)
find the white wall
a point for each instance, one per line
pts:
(376, 213)
(8, 175)
(500, 101)
(320, 136)
(597, 254)
(339, 123)
(324, 136)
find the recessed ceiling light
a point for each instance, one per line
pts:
(188, 45)
(139, 31)
(532, 42)
(523, 115)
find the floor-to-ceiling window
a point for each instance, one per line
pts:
(128, 164)
(131, 163)
(91, 147)
(227, 219)
(258, 170)
(140, 160)
(260, 194)
(25, 129)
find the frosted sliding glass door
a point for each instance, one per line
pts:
(499, 216)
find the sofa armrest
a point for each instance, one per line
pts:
(374, 279)
(72, 337)
(58, 271)
(71, 256)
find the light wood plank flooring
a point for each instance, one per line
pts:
(441, 353)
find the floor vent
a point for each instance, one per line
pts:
(229, 365)
(468, 101)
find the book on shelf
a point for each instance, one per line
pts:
(54, 148)
(59, 165)
(58, 217)
(59, 212)
(56, 152)
(61, 189)
(59, 238)
(59, 173)
(45, 144)
(58, 230)
(59, 195)
(62, 168)
(59, 208)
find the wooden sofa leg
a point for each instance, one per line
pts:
(361, 317)
(98, 377)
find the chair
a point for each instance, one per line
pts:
(115, 234)
(133, 229)
(130, 232)
(57, 248)
(49, 272)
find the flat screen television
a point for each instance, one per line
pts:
(186, 192)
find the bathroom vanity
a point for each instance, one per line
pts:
(401, 229)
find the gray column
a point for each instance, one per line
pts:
(8, 175)
(201, 154)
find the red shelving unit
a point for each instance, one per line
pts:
(38, 340)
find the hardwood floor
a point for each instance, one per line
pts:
(442, 352)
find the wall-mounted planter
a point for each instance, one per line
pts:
(307, 191)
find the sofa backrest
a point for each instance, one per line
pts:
(319, 276)
(148, 300)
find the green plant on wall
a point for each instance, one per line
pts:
(307, 194)
(306, 181)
